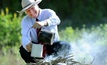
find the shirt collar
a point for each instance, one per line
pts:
(39, 16)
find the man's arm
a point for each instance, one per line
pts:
(50, 19)
(26, 40)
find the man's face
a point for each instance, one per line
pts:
(32, 11)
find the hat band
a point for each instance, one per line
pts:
(26, 6)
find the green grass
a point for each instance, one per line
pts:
(84, 38)
(11, 57)
(92, 37)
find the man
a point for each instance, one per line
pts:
(35, 19)
(47, 20)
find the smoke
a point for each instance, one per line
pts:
(63, 51)
(90, 48)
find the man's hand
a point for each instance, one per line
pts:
(39, 24)
(29, 47)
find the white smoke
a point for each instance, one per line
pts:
(90, 48)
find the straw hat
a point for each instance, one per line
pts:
(28, 3)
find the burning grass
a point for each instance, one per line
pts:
(60, 60)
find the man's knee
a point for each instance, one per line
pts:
(25, 55)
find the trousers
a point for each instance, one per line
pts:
(54, 49)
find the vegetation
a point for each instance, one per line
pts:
(10, 37)
(10, 27)
(80, 12)
(84, 24)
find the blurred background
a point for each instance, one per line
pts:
(83, 25)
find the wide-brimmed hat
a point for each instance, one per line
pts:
(28, 3)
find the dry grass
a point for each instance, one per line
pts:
(59, 61)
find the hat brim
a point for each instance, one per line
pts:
(28, 6)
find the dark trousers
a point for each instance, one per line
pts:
(51, 49)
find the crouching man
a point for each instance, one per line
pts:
(36, 20)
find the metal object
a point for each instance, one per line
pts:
(37, 50)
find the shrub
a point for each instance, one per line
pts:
(10, 29)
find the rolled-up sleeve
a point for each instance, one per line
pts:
(52, 18)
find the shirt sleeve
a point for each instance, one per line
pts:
(25, 33)
(52, 18)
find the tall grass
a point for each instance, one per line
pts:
(91, 41)
(12, 56)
